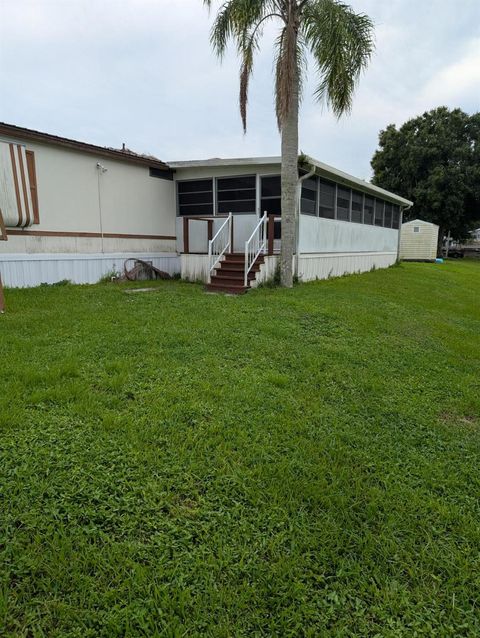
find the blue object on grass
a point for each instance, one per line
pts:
(439, 260)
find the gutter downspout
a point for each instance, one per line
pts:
(402, 210)
(297, 215)
(100, 171)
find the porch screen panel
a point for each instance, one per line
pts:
(368, 210)
(379, 204)
(237, 195)
(327, 199)
(195, 197)
(396, 217)
(357, 207)
(343, 204)
(387, 222)
(308, 204)
(271, 201)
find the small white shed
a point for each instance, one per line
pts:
(418, 241)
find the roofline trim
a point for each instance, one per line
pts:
(321, 168)
(100, 151)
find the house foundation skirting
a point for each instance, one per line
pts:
(314, 266)
(310, 267)
(325, 265)
(29, 270)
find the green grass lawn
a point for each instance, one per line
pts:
(297, 462)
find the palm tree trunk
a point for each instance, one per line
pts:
(289, 187)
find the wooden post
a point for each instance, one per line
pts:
(271, 233)
(186, 247)
(210, 229)
(2, 298)
(231, 236)
(3, 237)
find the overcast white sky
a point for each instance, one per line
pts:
(142, 72)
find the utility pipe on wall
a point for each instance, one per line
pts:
(297, 216)
(100, 170)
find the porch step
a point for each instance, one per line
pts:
(229, 275)
(222, 280)
(232, 266)
(226, 288)
(234, 275)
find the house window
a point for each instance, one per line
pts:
(195, 197)
(271, 201)
(388, 215)
(153, 171)
(416, 229)
(236, 195)
(327, 199)
(32, 178)
(368, 210)
(379, 205)
(357, 207)
(343, 203)
(308, 204)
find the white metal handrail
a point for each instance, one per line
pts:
(255, 245)
(219, 244)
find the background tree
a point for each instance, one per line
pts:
(434, 160)
(340, 42)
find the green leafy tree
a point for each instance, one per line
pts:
(340, 42)
(434, 160)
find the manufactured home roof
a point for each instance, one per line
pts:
(100, 151)
(321, 169)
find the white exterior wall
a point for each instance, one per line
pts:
(320, 235)
(421, 245)
(74, 197)
(25, 271)
(315, 266)
(332, 248)
(194, 267)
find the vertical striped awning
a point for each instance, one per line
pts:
(15, 194)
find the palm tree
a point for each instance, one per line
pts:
(341, 44)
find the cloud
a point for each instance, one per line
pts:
(458, 81)
(143, 72)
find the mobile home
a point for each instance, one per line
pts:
(77, 211)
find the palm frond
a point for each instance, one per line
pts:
(241, 21)
(342, 44)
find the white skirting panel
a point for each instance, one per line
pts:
(194, 267)
(27, 271)
(310, 267)
(325, 265)
(267, 270)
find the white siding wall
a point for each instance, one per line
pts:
(75, 197)
(25, 271)
(194, 267)
(421, 245)
(312, 267)
(131, 201)
(319, 235)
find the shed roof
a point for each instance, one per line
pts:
(419, 221)
(322, 169)
(125, 155)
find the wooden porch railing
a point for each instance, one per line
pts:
(210, 220)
